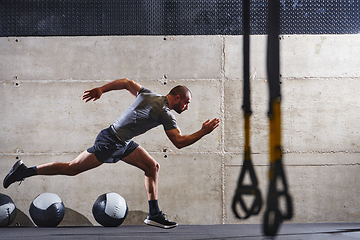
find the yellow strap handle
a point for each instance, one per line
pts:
(275, 131)
(247, 136)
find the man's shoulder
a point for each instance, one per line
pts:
(148, 92)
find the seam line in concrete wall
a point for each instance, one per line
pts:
(187, 153)
(222, 152)
(104, 80)
(78, 152)
(303, 165)
(222, 118)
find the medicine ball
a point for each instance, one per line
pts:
(7, 210)
(110, 210)
(47, 210)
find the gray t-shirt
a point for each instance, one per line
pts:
(148, 111)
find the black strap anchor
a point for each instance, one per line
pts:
(252, 188)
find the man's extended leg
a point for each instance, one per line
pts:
(81, 163)
(85, 161)
(141, 158)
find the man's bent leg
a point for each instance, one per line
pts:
(141, 158)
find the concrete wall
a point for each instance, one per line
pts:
(43, 119)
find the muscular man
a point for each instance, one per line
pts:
(115, 143)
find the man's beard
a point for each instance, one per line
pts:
(177, 108)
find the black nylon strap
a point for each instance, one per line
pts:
(246, 48)
(247, 167)
(273, 215)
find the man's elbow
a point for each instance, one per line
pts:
(128, 83)
(179, 145)
(177, 139)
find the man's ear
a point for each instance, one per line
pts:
(177, 98)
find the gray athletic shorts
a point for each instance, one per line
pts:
(109, 149)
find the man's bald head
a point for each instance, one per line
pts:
(180, 90)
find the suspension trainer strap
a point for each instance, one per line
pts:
(246, 57)
(252, 188)
(273, 215)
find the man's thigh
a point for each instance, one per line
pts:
(85, 161)
(140, 158)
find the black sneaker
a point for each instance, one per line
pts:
(159, 221)
(15, 174)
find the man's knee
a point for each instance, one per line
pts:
(157, 167)
(73, 169)
(85, 161)
(153, 171)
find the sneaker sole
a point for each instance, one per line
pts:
(14, 168)
(156, 224)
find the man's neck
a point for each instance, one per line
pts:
(168, 97)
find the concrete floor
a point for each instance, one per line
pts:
(233, 231)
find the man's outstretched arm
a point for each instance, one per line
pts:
(95, 93)
(181, 141)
